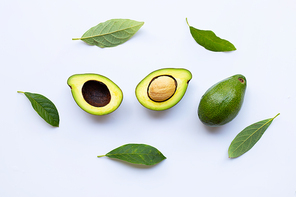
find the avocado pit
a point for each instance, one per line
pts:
(162, 88)
(96, 93)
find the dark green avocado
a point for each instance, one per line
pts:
(221, 103)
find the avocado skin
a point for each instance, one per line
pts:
(221, 103)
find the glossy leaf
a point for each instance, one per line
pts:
(248, 137)
(137, 154)
(44, 107)
(210, 41)
(111, 33)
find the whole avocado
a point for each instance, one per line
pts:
(221, 103)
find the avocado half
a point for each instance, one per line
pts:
(94, 93)
(163, 88)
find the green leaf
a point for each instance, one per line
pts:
(44, 107)
(111, 33)
(210, 41)
(137, 154)
(248, 137)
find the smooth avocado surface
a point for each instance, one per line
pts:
(221, 103)
(94, 93)
(163, 88)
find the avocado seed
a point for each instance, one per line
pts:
(162, 88)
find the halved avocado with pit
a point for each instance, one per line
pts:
(163, 88)
(94, 93)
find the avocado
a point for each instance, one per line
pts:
(221, 103)
(163, 88)
(94, 93)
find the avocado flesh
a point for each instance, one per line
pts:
(173, 94)
(222, 102)
(94, 93)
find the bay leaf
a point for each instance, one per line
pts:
(44, 107)
(210, 41)
(248, 137)
(137, 154)
(111, 33)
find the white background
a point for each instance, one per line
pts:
(38, 55)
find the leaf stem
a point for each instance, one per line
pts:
(20, 92)
(276, 116)
(187, 22)
(101, 156)
(76, 38)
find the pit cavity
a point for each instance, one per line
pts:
(96, 93)
(162, 88)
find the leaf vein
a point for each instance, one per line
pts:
(99, 35)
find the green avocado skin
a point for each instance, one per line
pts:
(221, 103)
